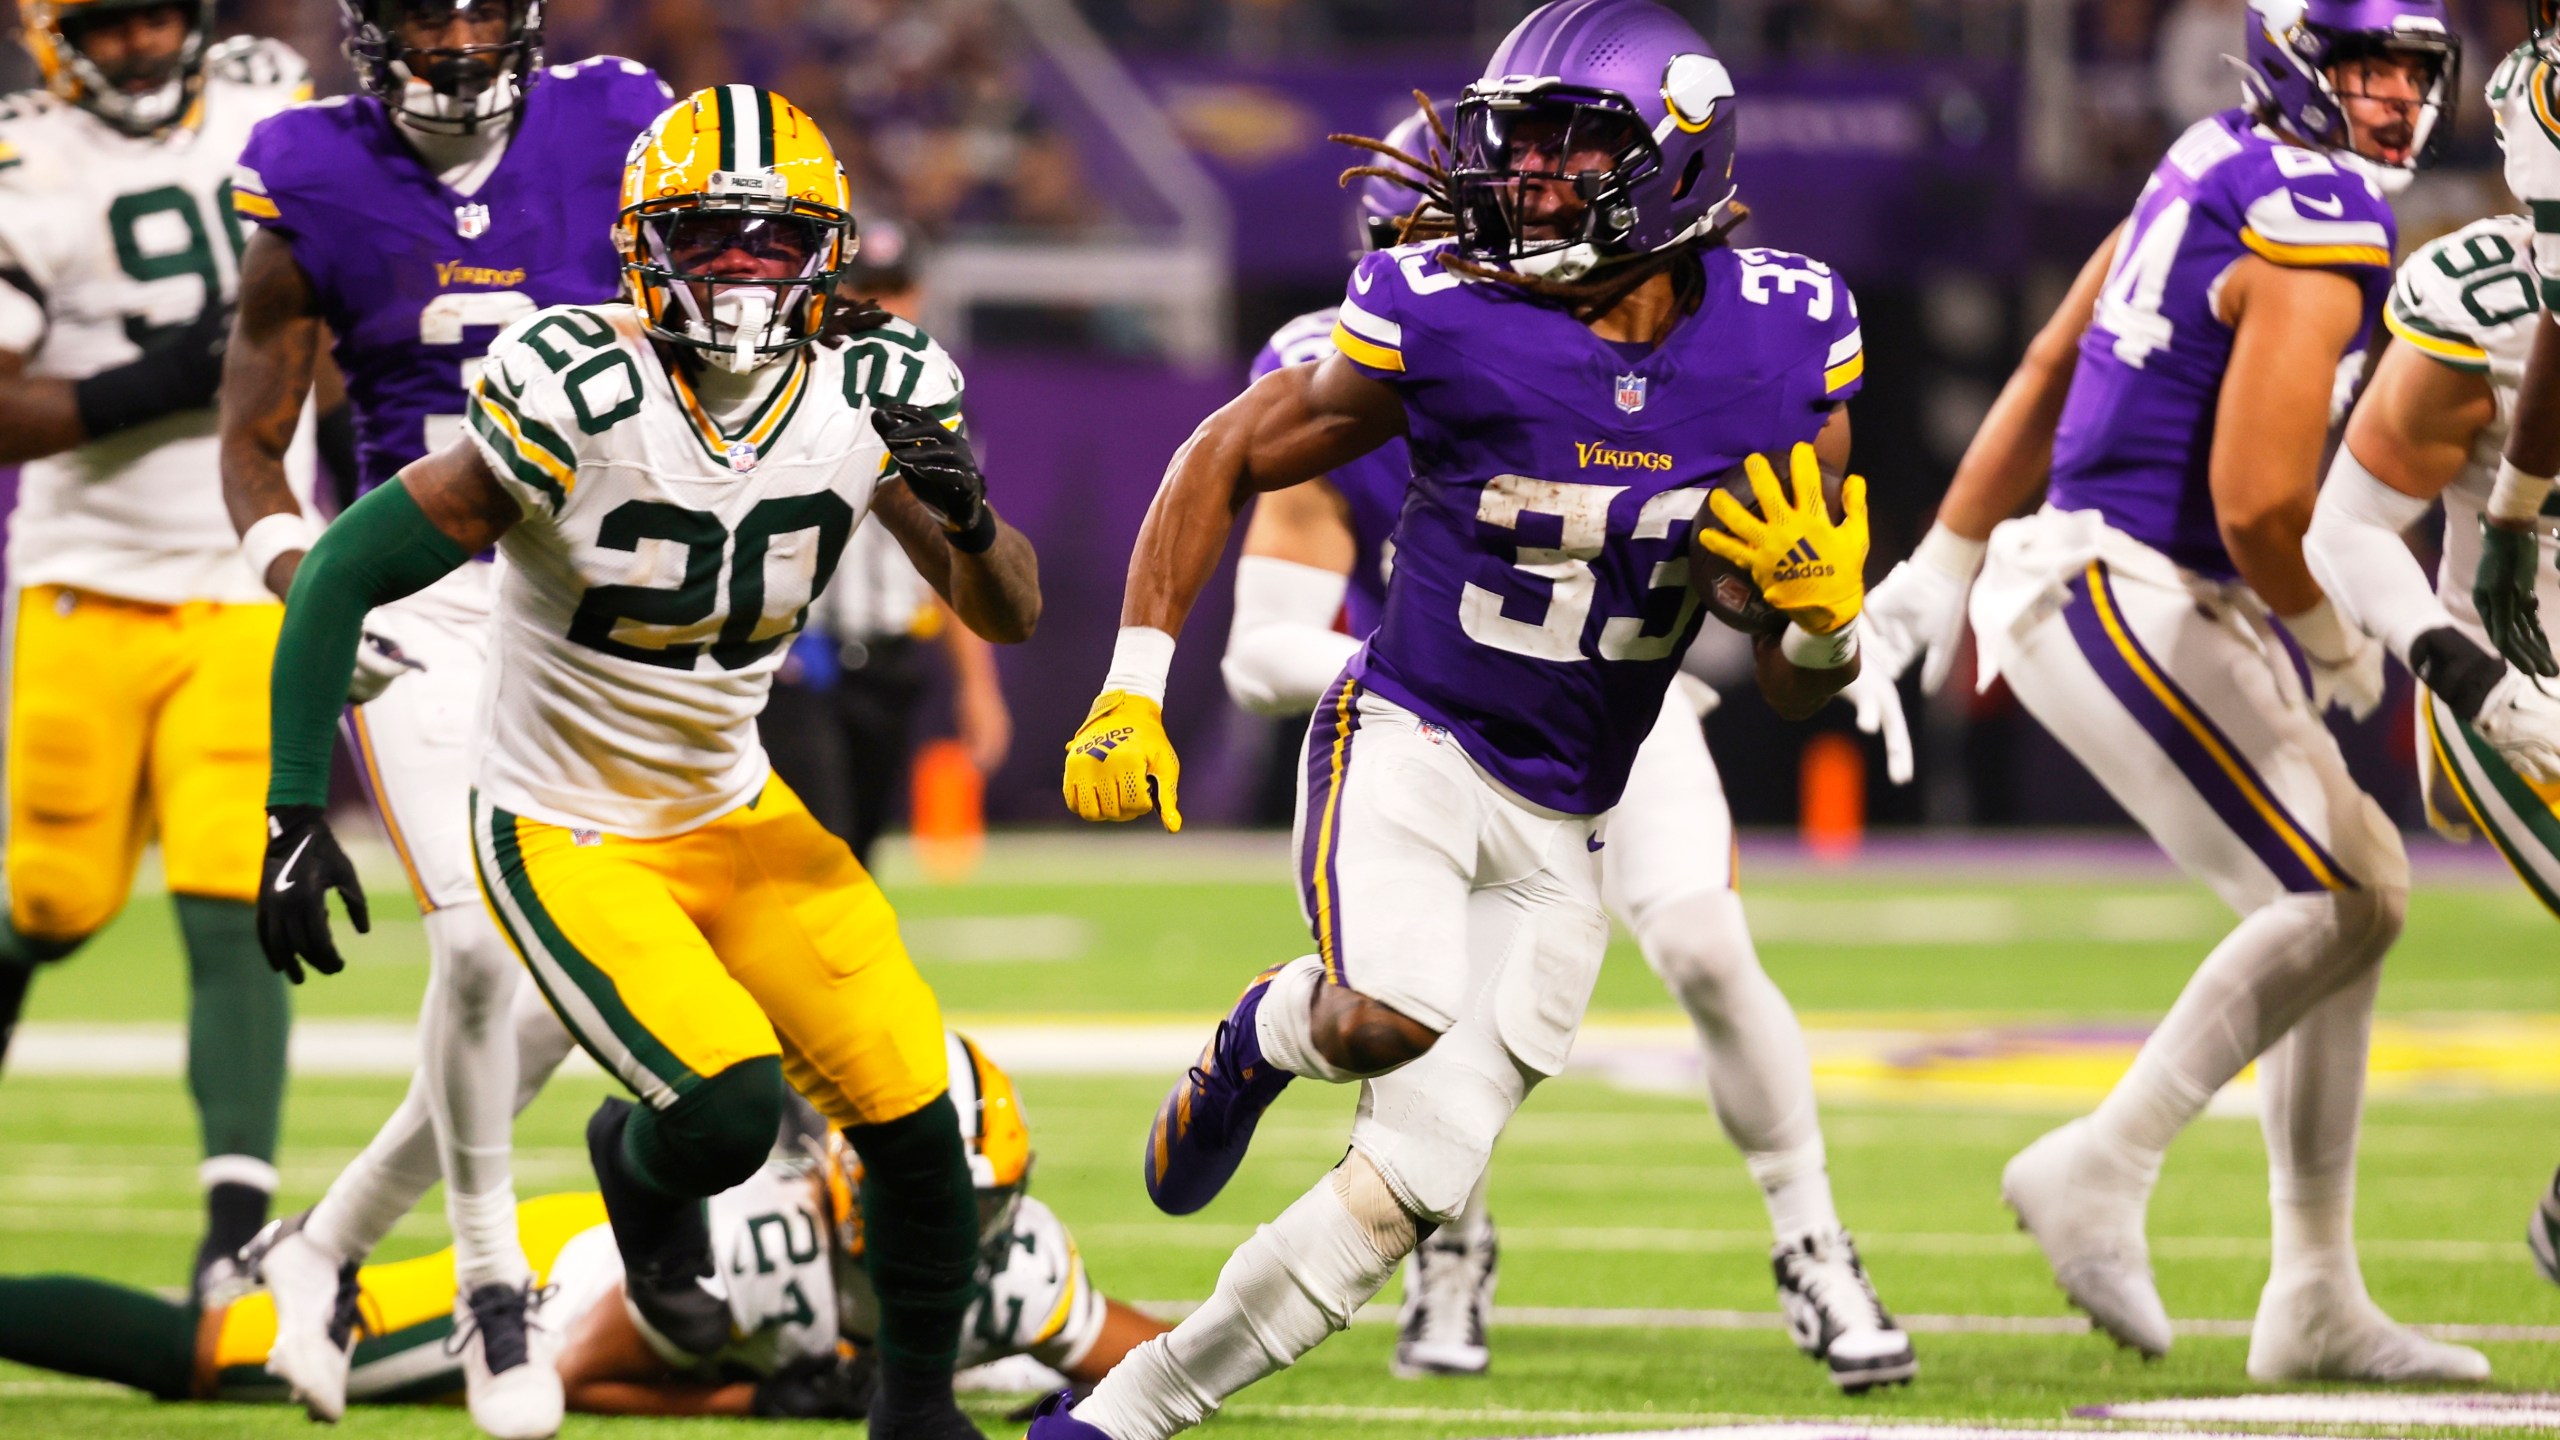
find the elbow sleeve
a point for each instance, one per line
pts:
(2355, 551)
(1282, 650)
(384, 547)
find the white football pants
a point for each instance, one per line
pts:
(2175, 692)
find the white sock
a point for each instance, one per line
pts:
(1759, 1071)
(1299, 1279)
(2282, 959)
(380, 1185)
(468, 1042)
(1284, 1024)
(2311, 1084)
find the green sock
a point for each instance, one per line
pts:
(920, 1222)
(29, 951)
(239, 1012)
(79, 1326)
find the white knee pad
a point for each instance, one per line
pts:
(1700, 947)
(1428, 1129)
(476, 974)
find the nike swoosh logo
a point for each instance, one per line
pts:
(284, 877)
(1360, 281)
(1594, 843)
(2336, 207)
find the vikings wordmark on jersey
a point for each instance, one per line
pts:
(1541, 602)
(109, 242)
(414, 278)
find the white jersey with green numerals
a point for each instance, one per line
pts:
(663, 562)
(2469, 300)
(110, 243)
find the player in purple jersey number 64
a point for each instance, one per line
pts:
(1572, 373)
(2180, 399)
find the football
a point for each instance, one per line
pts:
(1731, 594)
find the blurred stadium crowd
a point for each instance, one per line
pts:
(1954, 158)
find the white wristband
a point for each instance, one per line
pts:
(1140, 661)
(1945, 550)
(2517, 497)
(275, 535)
(1808, 651)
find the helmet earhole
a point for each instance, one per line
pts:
(1689, 176)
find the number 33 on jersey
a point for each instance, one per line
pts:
(664, 560)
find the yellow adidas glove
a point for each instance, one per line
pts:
(1804, 564)
(1121, 746)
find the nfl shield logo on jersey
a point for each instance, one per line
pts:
(472, 220)
(1631, 393)
(742, 455)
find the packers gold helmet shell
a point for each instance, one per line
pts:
(731, 170)
(991, 1129)
(48, 28)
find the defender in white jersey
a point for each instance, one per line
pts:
(672, 481)
(137, 639)
(2432, 427)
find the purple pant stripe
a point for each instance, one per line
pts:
(2186, 749)
(1336, 721)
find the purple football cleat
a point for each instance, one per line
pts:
(1050, 1421)
(1200, 1135)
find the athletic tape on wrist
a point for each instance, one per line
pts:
(1952, 554)
(2322, 633)
(2517, 497)
(1808, 651)
(274, 535)
(1140, 660)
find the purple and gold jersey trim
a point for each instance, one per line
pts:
(2315, 256)
(2202, 753)
(1336, 722)
(1372, 342)
(1846, 362)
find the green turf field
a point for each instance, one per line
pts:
(1610, 1197)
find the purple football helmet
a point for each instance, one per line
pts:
(1617, 104)
(2294, 44)
(1380, 203)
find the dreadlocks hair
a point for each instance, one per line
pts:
(1434, 217)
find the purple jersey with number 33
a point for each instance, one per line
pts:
(2136, 439)
(1540, 600)
(415, 279)
(1372, 487)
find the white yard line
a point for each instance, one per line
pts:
(1581, 1317)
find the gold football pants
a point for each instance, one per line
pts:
(128, 720)
(757, 934)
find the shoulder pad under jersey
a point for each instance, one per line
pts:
(549, 385)
(2468, 299)
(625, 92)
(1811, 314)
(896, 363)
(2299, 207)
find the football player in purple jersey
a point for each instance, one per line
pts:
(465, 187)
(1573, 372)
(1322, 550)
(2178, 402)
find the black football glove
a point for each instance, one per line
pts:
(940, 469)
(304, 864)
(180, 370)
(817, 1388)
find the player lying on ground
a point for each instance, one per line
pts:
(138, 642)
(789, 1242)
(1324, 549)
(1576, 372)
(2180, 399)
(464, 186)
(672, 481)
(2513, 549)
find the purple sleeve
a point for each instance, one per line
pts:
(1265, 360)
(1844, 359)
(1369, 328)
